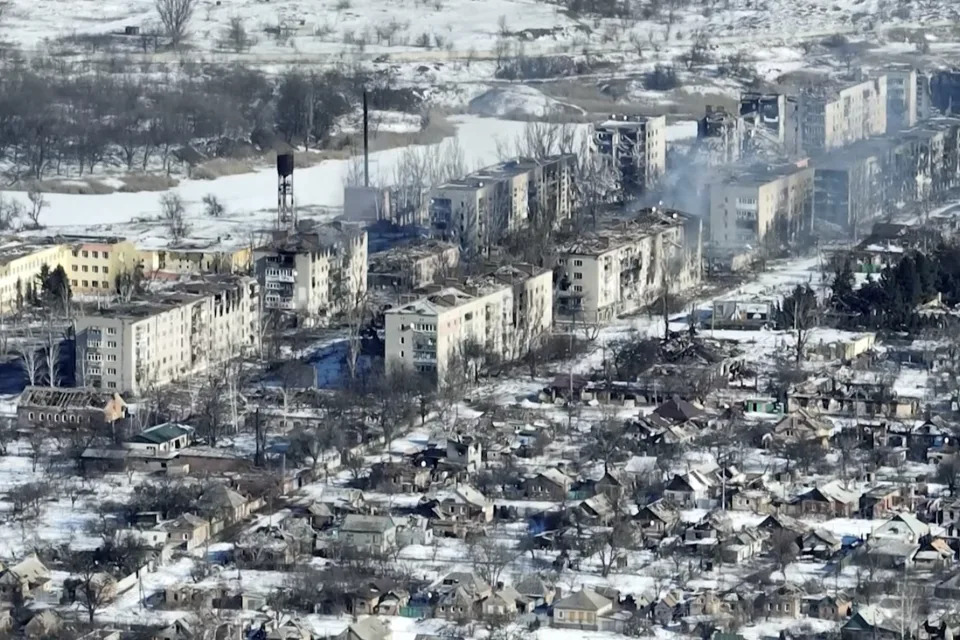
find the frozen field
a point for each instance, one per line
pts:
(328, 29)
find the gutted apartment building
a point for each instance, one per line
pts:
(769, 121)
(405, 268)
(20, 264)
(719, 136)
(195, 259)
(627, 264)
(832, 118)
(635, 149)
(315, 272)
(902, 101)
(478, 210)
(504, 313)
(403, 206)
(173, 333)
(755, 206)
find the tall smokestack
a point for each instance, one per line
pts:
(366, 143)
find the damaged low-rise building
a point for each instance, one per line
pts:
(406, 268)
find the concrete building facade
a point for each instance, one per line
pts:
(627, 265)
(505, 313)
(902, 87)
(314, 273)
(478, 210)
(96, 261)
(832, 118)
(180, 331)
(21, 263)
(635, 149)
(758, 205)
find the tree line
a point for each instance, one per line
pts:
(890, 301)
(54, 121)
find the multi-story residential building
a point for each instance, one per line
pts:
(902, 87)
(754, 206)
(635, 147)
(770, 120)
(504, 313)
(315, 272)
(20, 265)
(924, 98)
(478, 210)
(627, 264)
(405, 268)
(196, 259)
(96, 261)
(858, 184)
(831, 118)
(175, 332)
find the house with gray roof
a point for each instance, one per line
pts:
(369, 628)
(368, 533)
(162, 438)
(581, 610)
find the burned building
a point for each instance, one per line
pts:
(405, 268)
(769, 120)
(719, 136)
(945, 90)
(635, 148)
(314, 272)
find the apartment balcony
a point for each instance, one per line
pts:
(278, 303)
(93, 344)
(280, 275)
(424, 356)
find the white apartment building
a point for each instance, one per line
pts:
(477, 210)
(314, 273)
(757, 205)
(177, 332)
(20, 265)
(505, 313)
(635, 147)
(627, 265)
(831, 119)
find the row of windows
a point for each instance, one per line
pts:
(94, 284)
(94, 254)
(56, 417)
(96, 269)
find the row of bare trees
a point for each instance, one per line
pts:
(57, 119)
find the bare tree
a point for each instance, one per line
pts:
(37, 204)
(784, 549)
(611, 546)
(212, 206)
(51, 352)
(29, 358)
(173, 212)
(175, 16)
(236, 37)
(490, 556)
(94, 586)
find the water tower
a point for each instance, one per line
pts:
(286, 211)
